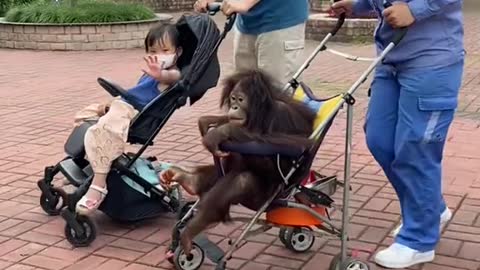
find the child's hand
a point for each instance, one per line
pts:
(156, 70)
(154, 67)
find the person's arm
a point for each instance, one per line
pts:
(423, 9)
(251, 3)
(360, 7)
(229, 6)
(351, 7)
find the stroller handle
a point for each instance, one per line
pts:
(214, 7)
(401, 32)
(340, 21)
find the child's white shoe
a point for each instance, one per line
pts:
(400, 256)
(85, 205)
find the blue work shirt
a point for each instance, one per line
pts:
(145, 91)
(435, 38)
(271, 15)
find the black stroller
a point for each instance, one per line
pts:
(134, 193)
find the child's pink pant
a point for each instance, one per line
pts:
(106, 140)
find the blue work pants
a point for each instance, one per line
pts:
(408, 118)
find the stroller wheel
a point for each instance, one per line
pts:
(299, 239)
(84, 239)
(282, 234)
(52, 207)
(189, 262)
(348, 264)
(352, 264)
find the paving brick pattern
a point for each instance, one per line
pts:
(41, 91)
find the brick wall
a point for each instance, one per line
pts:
(319, 25)
(319, 5)
(75, 37)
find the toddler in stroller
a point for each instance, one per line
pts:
(132, 180)
(105, 140)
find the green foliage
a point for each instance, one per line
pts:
(78, 11)
(6, 4)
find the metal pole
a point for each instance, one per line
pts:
(346, 190)
(312, 56)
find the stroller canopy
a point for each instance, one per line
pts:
(199, 63)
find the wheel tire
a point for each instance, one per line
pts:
(335, 263)
(50, 207)
(348, 264)
(352, 264)
(282, 235)
(299, 239)
(192, 262)
(87, 238)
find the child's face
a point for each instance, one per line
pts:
(162, 47)
(165, 52)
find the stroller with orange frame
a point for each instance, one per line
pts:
(299, 223)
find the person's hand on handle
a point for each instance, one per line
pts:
(237, 6)
(201, 5)
(343, 6)
(398, 15)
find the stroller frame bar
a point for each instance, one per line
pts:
(151, 138)
(321, 47)
(347, 97)
(351, 57)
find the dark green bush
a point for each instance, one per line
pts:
(82, 11)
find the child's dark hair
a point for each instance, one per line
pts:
(158, 34)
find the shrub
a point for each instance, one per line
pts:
(83, 11)
(6, 4)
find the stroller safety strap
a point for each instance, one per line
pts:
(261, 149)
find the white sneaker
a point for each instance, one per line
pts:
(400, 256)
(444, 218)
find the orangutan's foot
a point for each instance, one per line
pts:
(186, 179)
(186, 243)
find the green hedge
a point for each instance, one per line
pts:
(6, 4)
(80, 11)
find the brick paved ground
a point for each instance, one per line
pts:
(40, 92)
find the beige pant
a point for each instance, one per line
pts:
(106, 140)
(279, 53)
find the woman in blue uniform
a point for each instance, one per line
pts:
(414, 96)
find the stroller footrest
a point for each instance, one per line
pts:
(75, 175)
